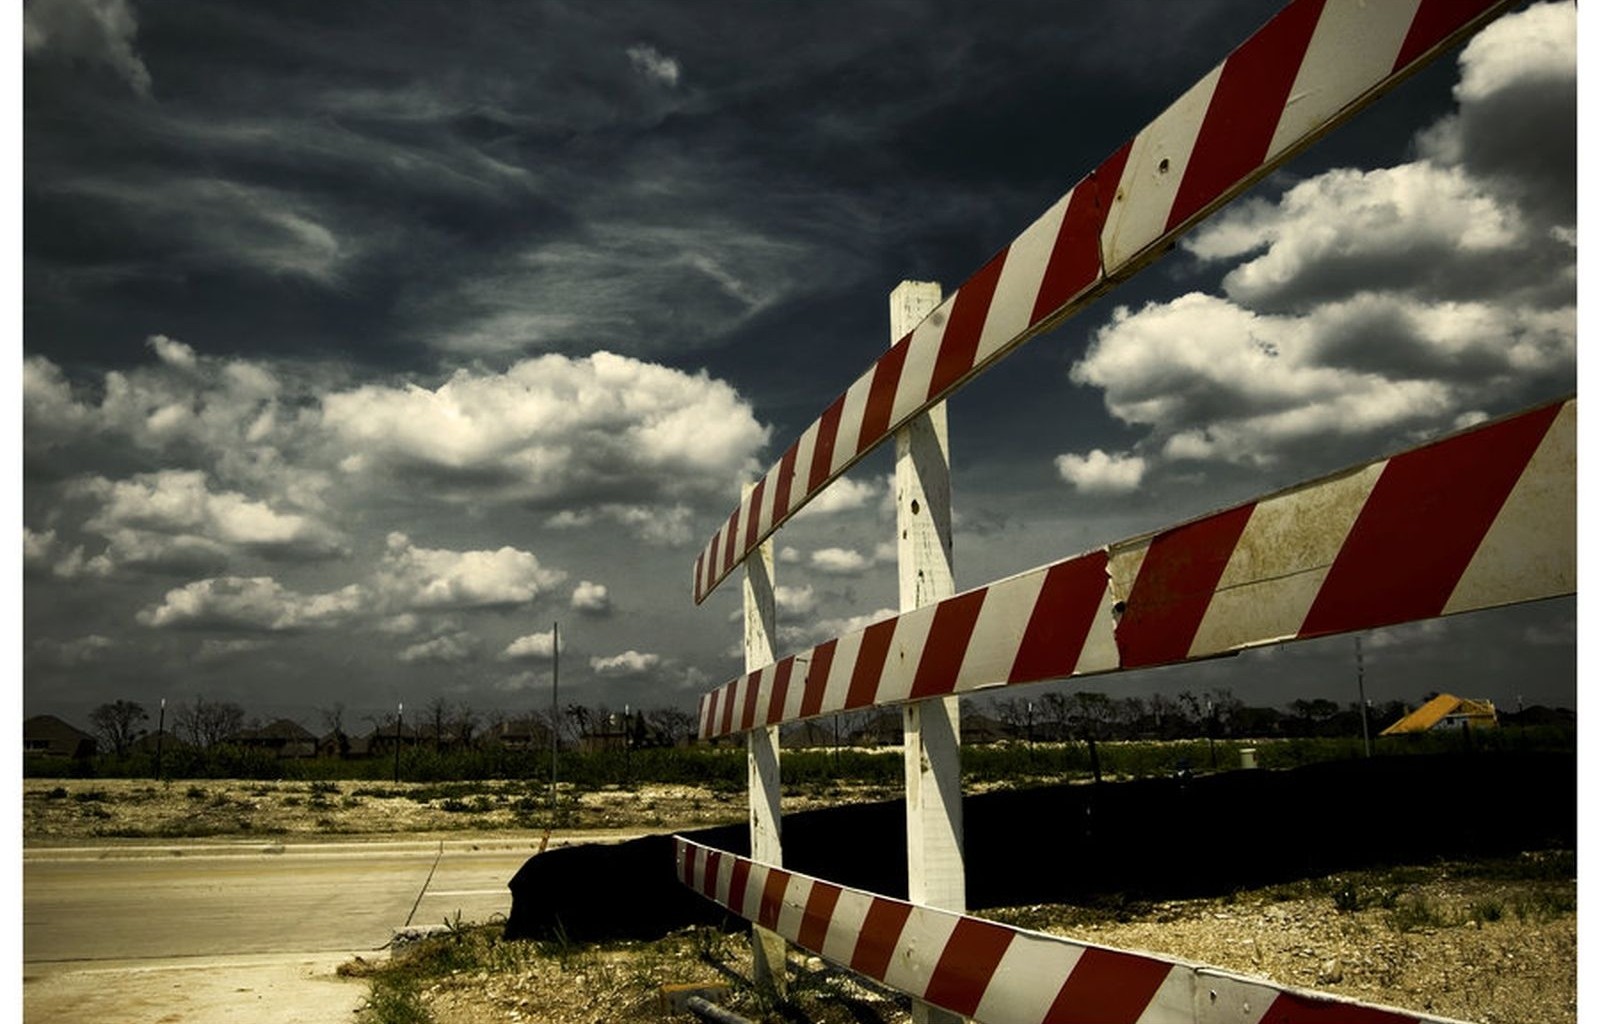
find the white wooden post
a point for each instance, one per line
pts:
(766, 814)
(935, 863)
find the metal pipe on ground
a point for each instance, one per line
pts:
(705, 1009)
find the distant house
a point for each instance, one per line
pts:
(978, 729)
(283, 738)
(519, 734)
(49, 736)
(341, 744)
(815, 732)
(1446, 711)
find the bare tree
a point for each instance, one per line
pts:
(437, 712)
(674, 724)
(118, 724)
(333, 721)
(464, 723)
(208, 722)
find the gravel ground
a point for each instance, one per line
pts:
(1495, 944)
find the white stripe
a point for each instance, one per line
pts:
(1123, 566)
(793, 908)
(797, 685)
(1017, 291)
(916, 376)
(905, 653)
(725, 878)
(1531, 549)
(1144, 195)
(1234, 999)
(1352, 49)
(844, 665)
(755, 884)
(845, 444)
(922, 942)
(844, 928)
(802, 465)
(1175, 1000)
(769, 499)
(1100, 652)
(763, 687)
(1277, 567)
(1027, 979)
(997, 634)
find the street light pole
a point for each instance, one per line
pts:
(399, 718)
(161, 728)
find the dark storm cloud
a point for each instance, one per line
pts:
(531, 286)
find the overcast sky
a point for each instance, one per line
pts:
(362, 342)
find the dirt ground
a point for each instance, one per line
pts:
(1498, 947)
(1434, 939)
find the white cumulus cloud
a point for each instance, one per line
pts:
(1101, 473)
(429, 578)
(533, 647)
(602, 433)
(251, 603)
(654, 64)
(591, 598)
(628, 664)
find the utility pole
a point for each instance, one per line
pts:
(399, 718)
(1361, 691)
(555, 707)
(161, 728)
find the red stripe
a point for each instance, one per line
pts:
(780, 690)
(727, 707)
(1245, 109)
(748, 719)
(1107, 987)
(822, 453)
(1422, 524)
(780, 495)
(772, 898)
(880, 397)
(1071, 597)
(699, 577)
(711, 699)
(966, 965)
(1174, 587)
(730, 535)
(713, 864)
(880, 932)
(953, 622)
(959, 346)
(1289, 1008)
(738, 881)
(752, 525)
(818, 913)
(1435, 21)
(1075, 261)
(691, 854)
(874, 651)
(817, 678)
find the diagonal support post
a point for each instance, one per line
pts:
(935, 865)
(761, 745)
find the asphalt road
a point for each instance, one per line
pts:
(210, 932)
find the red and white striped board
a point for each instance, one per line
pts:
(993, 972)
(1312, 66)
(1482, 518)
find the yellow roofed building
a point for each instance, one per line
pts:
(1444, 712)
